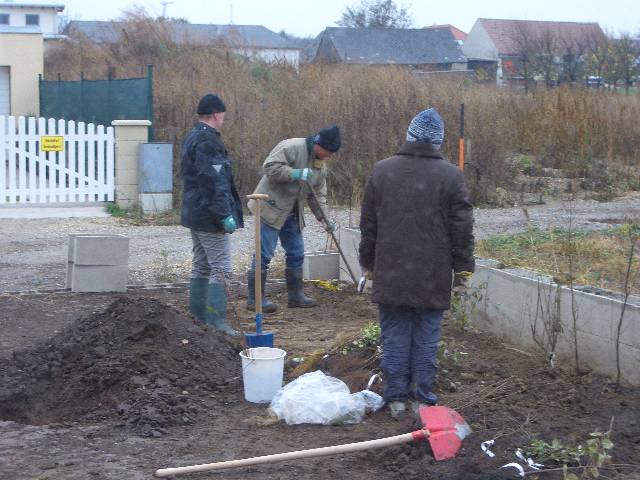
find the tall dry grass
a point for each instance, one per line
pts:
(581, 131)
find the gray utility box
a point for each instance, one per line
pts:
(155, 184)
(97, 262)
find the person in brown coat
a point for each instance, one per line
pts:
(417, 233)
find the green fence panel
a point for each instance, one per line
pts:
(98, 101)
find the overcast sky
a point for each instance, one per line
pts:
(310, 17)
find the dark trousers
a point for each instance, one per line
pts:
(410, 339)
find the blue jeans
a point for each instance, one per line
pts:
(410, 339)
(291, 239)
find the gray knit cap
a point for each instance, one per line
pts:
(427, 126)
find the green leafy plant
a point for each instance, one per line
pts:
(115, 210)
(463, 306)
(597, 450)
(587, 458)
(369, 336)
(556, 452)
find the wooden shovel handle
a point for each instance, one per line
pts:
(314, 452)
(258, 274)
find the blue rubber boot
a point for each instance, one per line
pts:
(198, 297)
(216, 314)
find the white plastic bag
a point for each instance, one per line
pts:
(317, 398)
(372, 401)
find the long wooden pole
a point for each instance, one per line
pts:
(258, 198)
(314, 452)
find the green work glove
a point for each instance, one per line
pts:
(301, 174)
(229, 224)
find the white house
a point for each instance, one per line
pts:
(32, 15)
(248, 40)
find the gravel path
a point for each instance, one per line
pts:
(33, 251)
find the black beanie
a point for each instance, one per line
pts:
(210, 104)
(329, 138)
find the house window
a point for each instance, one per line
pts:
(33, 19)
(4, 19)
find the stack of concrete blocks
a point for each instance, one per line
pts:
(97, 262)
(321, 266)
(155, 170)
(129, 134)
(350, 243)
(515, 303)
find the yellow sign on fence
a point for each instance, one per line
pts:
(52, 143)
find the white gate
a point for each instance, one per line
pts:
(55, 161)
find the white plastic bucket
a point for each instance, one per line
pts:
(262, 373)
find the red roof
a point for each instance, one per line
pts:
(456, 32)
(507, 34)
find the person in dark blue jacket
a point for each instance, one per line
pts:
(211, 208)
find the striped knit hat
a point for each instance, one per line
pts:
(427, 126)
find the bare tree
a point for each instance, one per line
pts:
(626, 55)
(574, 50)
(598, 56)
(545, 48)
(526, 51)
(377, 14)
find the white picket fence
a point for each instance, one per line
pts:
(83, 172)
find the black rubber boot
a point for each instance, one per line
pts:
(295, 289)
(267, 306)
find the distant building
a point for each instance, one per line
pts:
(424, 49)
(33, 15)
(247, 40)
(458, 34)
(498, 47)
(21, 61)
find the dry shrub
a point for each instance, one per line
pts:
(572, 129)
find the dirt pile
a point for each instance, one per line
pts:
(138, 360)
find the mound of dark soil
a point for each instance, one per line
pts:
(139, 360)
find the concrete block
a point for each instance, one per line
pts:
(156, 167)
(349, 239)
(515, 305)
(98, 250)
(89, 278)
(71, 253)
(321, 266)
(155, 202)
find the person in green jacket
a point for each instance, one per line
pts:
(292, 169)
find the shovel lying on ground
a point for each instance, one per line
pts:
(443, 427)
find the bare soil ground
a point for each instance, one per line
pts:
(505, 394)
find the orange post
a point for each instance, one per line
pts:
(461, 145)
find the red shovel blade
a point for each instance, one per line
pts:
(447, 430)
